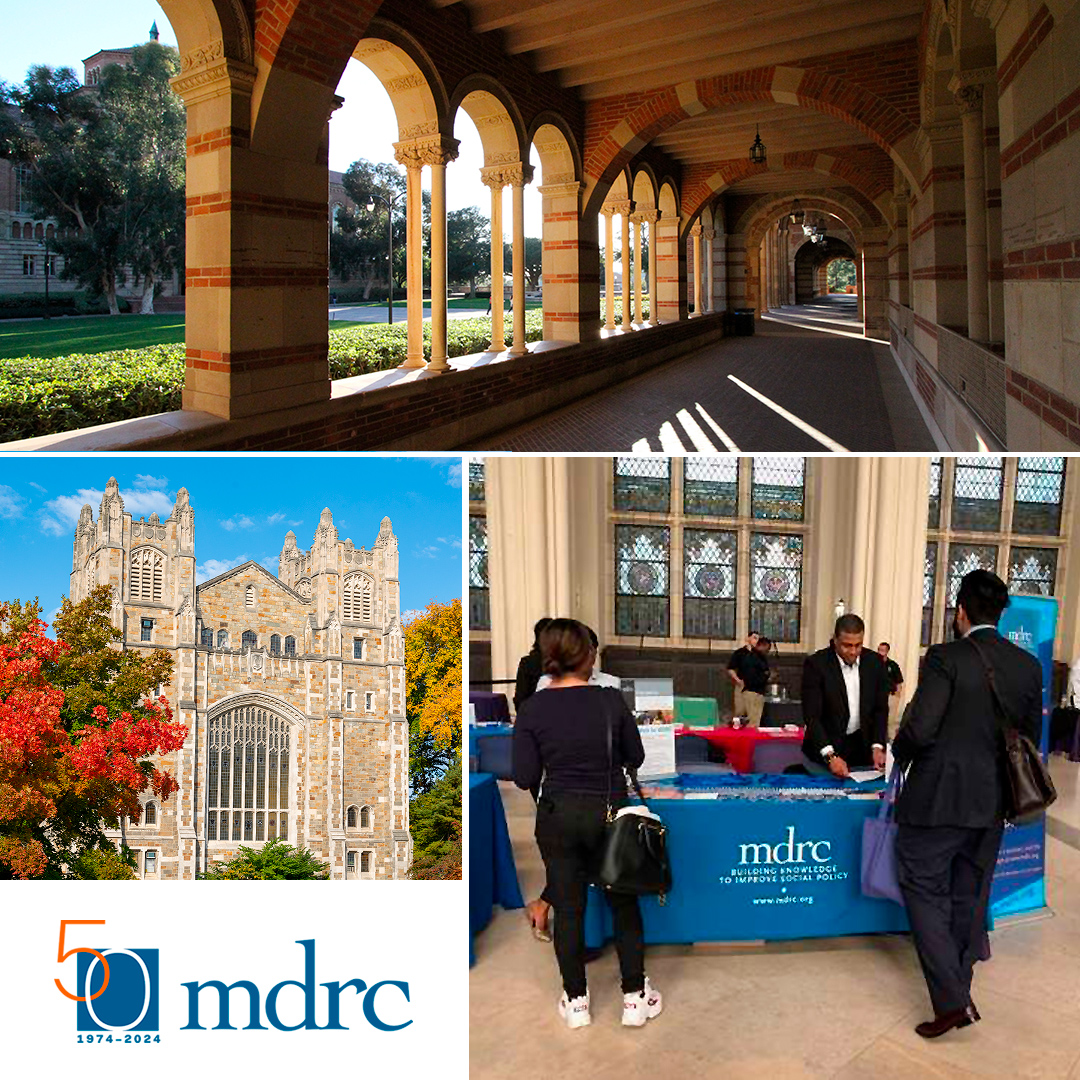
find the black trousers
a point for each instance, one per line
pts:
(945, 875)
(570, 835)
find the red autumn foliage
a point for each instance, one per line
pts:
(106, 765)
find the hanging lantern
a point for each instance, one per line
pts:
(798, 215)
(757, 151)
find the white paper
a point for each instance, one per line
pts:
(472, 713)
(659, 743)
(863, 776)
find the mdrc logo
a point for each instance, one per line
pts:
(130, 1000)
(116, 988)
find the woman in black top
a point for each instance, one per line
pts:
(560, 740)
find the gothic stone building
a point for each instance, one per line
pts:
(292, 689)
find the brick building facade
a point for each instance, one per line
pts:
(292, 689)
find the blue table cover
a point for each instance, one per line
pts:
(492, 874)
(771, 858)
(477, 731)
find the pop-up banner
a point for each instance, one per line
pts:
(1020, 878)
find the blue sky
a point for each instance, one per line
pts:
(243, 506)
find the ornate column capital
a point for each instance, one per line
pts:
(429, 150)
(648, 217)
(494, 177)
(969, 99)
(561, 189)
(708, 234)
(518, 174)
(624, 208)
(207, 72)
(696, 230)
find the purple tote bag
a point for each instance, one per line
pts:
(878, 877)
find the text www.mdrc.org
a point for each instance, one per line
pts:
(784, 900)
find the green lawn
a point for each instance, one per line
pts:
(99, 333)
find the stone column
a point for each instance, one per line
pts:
(969, 97)
(666, 274)
(899, 262)
(495, 180)
(438, 156)
(650, 218)
(561, 261)
(519, 176)
(709, 235)
(409, 155)
(638, 223)
(609, 269)
(624, 210)
(695, 232)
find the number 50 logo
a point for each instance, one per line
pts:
(116, 989)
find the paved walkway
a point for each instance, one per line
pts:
(807, 382)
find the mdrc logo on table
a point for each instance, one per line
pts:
(129, 1001)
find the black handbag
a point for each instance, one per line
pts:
(1028, 787)
(634, 858)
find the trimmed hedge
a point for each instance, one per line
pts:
(45, 396)
(32, 305)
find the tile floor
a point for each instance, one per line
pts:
(842, 1008)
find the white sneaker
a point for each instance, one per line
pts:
(575, 1011)
(637, 1008)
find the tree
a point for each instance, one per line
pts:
(358, 241)
(275, 861)
(78, 736)
(107, 163)
(534, 261)
(468, 246)
(840, 275)
(435, 824)
(433, 692)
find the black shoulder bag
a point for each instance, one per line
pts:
(1028, 788)
(634, 858)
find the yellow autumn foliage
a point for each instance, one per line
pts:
(433, 674)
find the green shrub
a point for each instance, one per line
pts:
(32, 305)
(45, 396)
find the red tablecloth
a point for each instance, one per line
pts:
(738, 746)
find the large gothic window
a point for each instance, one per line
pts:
(357, 603)
(249, 640)
(247, 794)
(147, 575)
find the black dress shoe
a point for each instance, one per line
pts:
(933, 1029)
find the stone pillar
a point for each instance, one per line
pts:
(562, 258)
(438, 157)
(709, 235)
(256, 271)
(494, 179)
(969, 98)
(650, 218)
(875, 282)
(609, 269)
(638, 223)
(409, 155)
(519, 176)
(623, 210)
(665, 257)
(994, 245)
(899, 262)
(695, 232)
(736, 270)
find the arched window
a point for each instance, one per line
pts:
(39, 231)
(357, 602)
(365, 817)
(275, 644)
(249, 596)
(249, 640)
(207, 637)
(50, 232)
(147, 575)
(16, 231)
(358, 648)
(151, 814)
(365, 862)
(222, 638)
(290, 646)
(350, 818)
(247, 794)
(28, 231)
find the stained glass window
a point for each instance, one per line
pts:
(776, 584)
(778, 489)
(642, 598)
(643, 483)
(479, 586)
(1033, 570)
(963, 558)
(976, 503)
(711, 486)
(476, 480)
(933, 520)
(709, 583)
(1040, 482)
(929, 576)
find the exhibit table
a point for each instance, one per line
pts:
(492, 873)
(761, 858)
(480, 731)
(738, 745)
(490, 708)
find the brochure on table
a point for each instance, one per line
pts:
(652, 702)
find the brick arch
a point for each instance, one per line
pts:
(939, 36)
(496, 116)
(645, 189)
(649, 115)
(768, 208)
(209, 28)
(560, 156)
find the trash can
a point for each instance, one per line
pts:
(742, 322)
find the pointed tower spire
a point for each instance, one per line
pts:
(154, 35)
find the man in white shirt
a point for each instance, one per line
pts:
(1074, 684)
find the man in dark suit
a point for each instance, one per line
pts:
(845, 702)
(950, 811)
